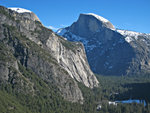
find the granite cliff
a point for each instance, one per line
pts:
(110, 51)
(27, 45)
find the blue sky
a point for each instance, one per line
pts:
(124, 14)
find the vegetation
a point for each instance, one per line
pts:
(135, 87)
(46, 97)
(25, 92)
(114, 88)
(6, 13)
(118, 88)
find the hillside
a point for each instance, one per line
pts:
(34, 62)
(110, 51)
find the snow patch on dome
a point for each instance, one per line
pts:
(20, 10)
(128, 33)
(98, 17)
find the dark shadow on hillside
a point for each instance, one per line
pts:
(139, 91)
(113, 57)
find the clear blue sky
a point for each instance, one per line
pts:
(124, 14)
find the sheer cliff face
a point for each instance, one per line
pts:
(88, 24)
(110, 51)
(48, 55)
(71, 56)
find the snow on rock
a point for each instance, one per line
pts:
(26, 13)
(128, 33)
(98, 17)
(94, 25)
(131, 36)
(20, 10)
(73, 37)
(128, 39)
(61, 31)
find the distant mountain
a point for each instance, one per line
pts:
(110, 51)
(33, 58)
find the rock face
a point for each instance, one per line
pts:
(29, 44)
(110, 51)
(25, 13)
(88, 24)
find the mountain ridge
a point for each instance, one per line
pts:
(46, 54)
(105, 45)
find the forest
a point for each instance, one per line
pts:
(48, 100)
